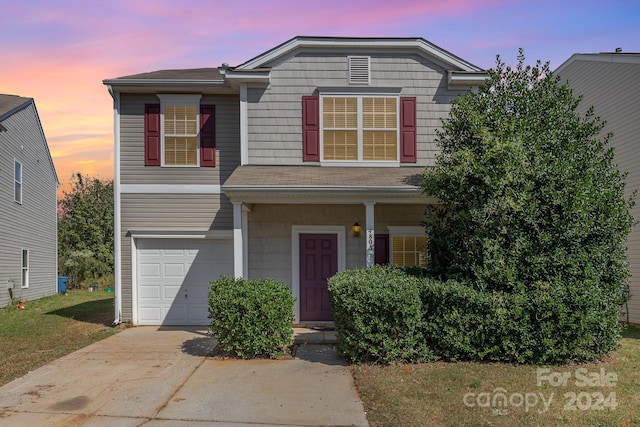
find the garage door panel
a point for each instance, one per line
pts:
(151, 292)
(174, 270)
(174, 277)
(198, 312)
(150, 316)
(149, 270)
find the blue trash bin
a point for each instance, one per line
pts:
(62, 284)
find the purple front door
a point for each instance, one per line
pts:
(318, 262)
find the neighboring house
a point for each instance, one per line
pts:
(611, 83)
(28, 204)
(270, 169)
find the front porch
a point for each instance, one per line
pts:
(278, 211)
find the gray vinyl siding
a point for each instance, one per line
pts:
(172, 212)
(614, 90)
(275, 115)
(167, 212)
(270, 228)
(132, 168)
(33, 224)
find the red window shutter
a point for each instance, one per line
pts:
(408, 129)
(207, 135)
(311, 128)
(152, 135)
(381, 250)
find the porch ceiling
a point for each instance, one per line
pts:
(312, 184)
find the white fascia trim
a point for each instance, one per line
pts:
(420, 44)
(163, 82)
(296, 230)
(170, 189)
(155, 234)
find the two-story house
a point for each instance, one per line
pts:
(301, 162)
(28, 204)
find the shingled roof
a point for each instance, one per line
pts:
(187, 74)
(10, 103)
(250, 176)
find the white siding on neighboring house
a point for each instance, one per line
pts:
(611, 83)
(32, 224)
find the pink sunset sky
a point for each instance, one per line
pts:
(58, 52)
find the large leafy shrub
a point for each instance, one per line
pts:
(377, 313)
(555, 324)
(251, 317)
(533, 208)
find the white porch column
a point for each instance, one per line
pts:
(238, 235)
(371, 238)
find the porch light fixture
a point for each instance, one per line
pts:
(356, 229)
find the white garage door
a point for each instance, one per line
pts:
(174, 276)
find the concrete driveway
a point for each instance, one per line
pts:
(164, 377)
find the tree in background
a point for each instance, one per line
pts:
(85, 230)
(531, 203)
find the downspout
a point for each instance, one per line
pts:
(117, 244)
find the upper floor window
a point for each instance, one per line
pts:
(180, 131)
(360, 128)
(17, 181)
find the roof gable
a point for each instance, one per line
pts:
(12, 104)
(610, 57)
(302, 43)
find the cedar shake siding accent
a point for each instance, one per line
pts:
(275, 122)
(31, 225)
(132, 136)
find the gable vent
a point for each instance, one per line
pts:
(359, 70)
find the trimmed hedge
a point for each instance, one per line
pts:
(251, 317)
(383, 314)
(377, 313)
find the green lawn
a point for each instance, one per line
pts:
(50, 328)
(468, 394)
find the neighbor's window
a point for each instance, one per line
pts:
(408, 246)
(17, 181)
(25, 269)
(180, 127)
(358, 128)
